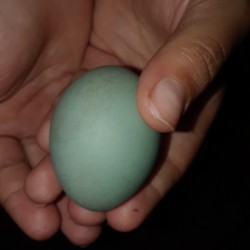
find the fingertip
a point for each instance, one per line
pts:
(78, 234)
(132, 213)
(161, 102)
(39, 223)
(41, 185)
(43, 135)
(85, 217)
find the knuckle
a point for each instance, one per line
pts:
(202, 60)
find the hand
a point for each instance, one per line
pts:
(179, 46)
(184, 42)
(41, 47)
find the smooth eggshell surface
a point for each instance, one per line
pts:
(101, 149)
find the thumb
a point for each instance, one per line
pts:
(188, 61)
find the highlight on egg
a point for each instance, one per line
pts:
(101, 149)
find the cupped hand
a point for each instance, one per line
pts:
(41, 48)
(178, 46)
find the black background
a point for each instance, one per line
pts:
(208, 208)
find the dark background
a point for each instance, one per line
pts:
(209, 208)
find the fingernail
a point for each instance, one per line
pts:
(167, 102)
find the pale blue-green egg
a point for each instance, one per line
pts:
(101, 149)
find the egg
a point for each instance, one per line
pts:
(101, 149)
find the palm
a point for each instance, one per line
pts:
(36, 76)
(22, 111)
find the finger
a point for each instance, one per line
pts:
(85, 217)
(189, 60)
(37, 222)
(172, 164)
(43, 132)
(42, 186)
(130, 215)
(76, 233)
(33, 152)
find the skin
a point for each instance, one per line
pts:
(183, 42)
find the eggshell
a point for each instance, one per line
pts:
(101, 149)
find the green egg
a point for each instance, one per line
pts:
(101, 149)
